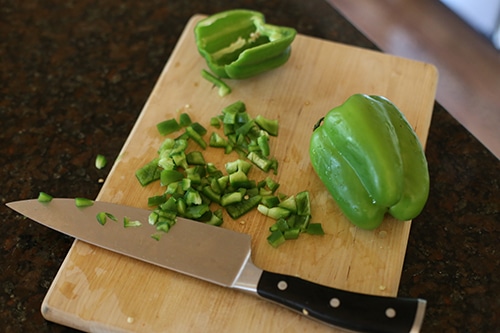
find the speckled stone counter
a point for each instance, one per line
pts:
(74, 77)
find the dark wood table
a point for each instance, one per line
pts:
(74, 77)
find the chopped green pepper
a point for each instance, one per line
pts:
(196, 136)
(83, 202)
(315, 229)
(149, 172)
(128, 223)
(270, 125)
(101, 218)
(192, 184)
(224, 89)
(274, 212)
(100, 161)
(371, 161)
(184, 120)
(276, 238)
(168, 126)
(238, 44)
(239, 209)
(44, 197)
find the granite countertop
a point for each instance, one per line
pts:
(74, 77)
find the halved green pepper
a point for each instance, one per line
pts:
(238, 44)
(371, 161)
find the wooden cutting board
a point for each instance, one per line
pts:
(99, 291)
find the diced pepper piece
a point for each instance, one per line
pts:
(301, 222)
(163, 226)
(83, 202)
(215, 122)
(274, 212)
(173, 188)
(168, 126)
(263, 142)
(199, 128)
(212, 170)
(245, 128)
(271, 184)
(303, 203)
(315, 229)
(128, 223)
(211, 194)
(170, 205)
(223, 181)
(231, 198)
(44, 197)
(153, 217)
(170, 176)
(241, 208)
(192, 197)
(167, 144)
(193, 134)
(231, 110)
(270, 201)
(291, 234)
(261, 162)
(289, 203)
(164, 215)
(149, 172)
(239, 164)
(179, 159)
(181, 206)
(217, 141)
(215, 220)
(282, 225)
(156, 200)
(239, 179)
(276, 238)
(180, 146)
(195, 158)
(184, 120)
(196, 211)
(185, 184)
(270, 126)
(100, 161)
(157, 235)
(101, 218)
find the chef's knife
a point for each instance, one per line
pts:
(223, 257)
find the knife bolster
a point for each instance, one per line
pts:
(249, 278)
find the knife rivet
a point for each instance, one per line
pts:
(334, 302)
(282, 285)
(390, 313)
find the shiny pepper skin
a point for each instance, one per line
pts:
(371, 161)
(238, 43)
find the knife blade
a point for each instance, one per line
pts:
(223, 257)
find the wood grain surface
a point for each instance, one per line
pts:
(99, 291)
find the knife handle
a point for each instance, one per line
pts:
(343, 309)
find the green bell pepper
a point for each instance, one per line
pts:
(371, 161)
(238, 44)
